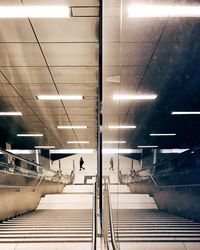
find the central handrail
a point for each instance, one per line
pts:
(94, 218)
(114, 243)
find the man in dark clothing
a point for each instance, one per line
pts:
(111, 164)
(81, 164)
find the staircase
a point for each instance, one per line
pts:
(140, 225)
(47, 226)
(151, 225)
(61, 222)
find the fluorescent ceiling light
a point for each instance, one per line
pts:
(60, 97)
(134, 97)
(30, 135)
(172, 151)
(172, 134)
(121, 127)
(10, 113)
(21, 151)
(114, 142)
(113, 79)
(149, 146)
(72, 151)
(120, 151)
(34, 11)
(78, 142)
(186, 113)
(147, 10)
(71, 127)
(44, 147)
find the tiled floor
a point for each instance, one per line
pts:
(160, 246)
(46, 246)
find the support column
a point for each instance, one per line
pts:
(99, 120)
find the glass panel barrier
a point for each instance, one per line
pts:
(18, 171)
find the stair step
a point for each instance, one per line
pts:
(161, 239)
(33, 235)
(45, 240)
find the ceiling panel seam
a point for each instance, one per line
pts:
(51, 75)
(156, 45)
(29, 107)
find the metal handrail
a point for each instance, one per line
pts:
(115, 245)
(94, 219)
(27, 161)
(171, 186)
(43, 172)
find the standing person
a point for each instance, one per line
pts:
(111, 164)
(81, 164)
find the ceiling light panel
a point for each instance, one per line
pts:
(120, 151)
(134, 97)
(30, 135)
(72, 127)
(78, 142)
(186, 113)
(148, 146)
(121, 127)
(72, 151)
(10, 113)
(172, 134)
(34, 11)
(148, 11)
(114, 142)
(60, 97)
(44, 147)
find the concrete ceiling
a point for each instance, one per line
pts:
(60, 56)
(151, 56)
(50, 57)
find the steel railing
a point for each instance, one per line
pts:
(27, 168)
(108, 220)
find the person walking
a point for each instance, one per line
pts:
(81, 164)
(111, 164)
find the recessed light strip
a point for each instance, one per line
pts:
(120, 151)
(150, 10)
(121, 127)
(172, 134)
(149, 146)
(44, 147)
(35, 11)
(72, 127)
(114, 142)
(78, 142)
(29, 135)
(186, 113)
(134, 97)
(60, 97)
(72, 151)
(10, 113)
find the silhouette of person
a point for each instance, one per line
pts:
(111, 164)
(81, 164)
